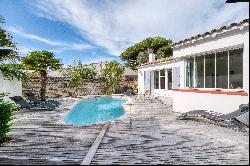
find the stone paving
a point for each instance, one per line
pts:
(150, 134)
(147, 134)
(42, 138)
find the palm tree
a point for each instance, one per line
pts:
(41, 62)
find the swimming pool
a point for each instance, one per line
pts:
(95, 111)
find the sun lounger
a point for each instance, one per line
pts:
(33, 99)
(232, 119)
(24, 104)
(21, 103)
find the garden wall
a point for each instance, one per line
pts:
(58, 87)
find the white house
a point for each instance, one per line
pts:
(12, 87)
(209, 71)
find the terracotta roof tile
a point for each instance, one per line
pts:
(158, 61)
(212, 31)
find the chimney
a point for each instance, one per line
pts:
(151, 57)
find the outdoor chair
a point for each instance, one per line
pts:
(128, 92)
(33, 99)
(231, 119)
(24, 104)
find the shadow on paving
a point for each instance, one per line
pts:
(150, 134)
(41, 138)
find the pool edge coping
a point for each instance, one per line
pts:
(91, 152)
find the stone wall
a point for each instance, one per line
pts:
(58, 87)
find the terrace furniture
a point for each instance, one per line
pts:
(238, 118)
(128, 92)
(33, 99)
(24, 104)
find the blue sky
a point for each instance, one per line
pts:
(99, 30)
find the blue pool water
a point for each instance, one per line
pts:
(95, 111)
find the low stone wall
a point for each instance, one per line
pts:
(58, 87)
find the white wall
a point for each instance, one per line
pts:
(222, 103)
(246, 62)
(231, 39)
(152, 67)
(140, 82)
(187, 101)
(14, 87)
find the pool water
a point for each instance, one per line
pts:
(95, 111)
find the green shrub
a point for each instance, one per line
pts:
(107, 91)
(6, 109)
(135, 89)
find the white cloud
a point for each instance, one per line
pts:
(115, 25)
(23, 50)
(61, 46)
(33, 37)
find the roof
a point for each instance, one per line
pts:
(221, 29)
(158, 61)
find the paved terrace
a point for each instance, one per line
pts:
(147, 134)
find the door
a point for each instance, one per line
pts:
(170, 80)
(176, 77)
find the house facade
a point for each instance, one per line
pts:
(209, 71)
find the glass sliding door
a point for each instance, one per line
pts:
(156, 79)
(162, 79)
(199, 72)
(236, 69)
(222, 70)
(189, 72)
(216, 70)
(210, 71)
(169, 71)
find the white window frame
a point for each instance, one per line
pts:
(204, 57)
(161, 77)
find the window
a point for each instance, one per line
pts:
(189, 72)
(210, 71)
(156, 79)
(169, 79)
(199, 72)
(218, 70)
(236, 69)
(222, 70)
(162, 79)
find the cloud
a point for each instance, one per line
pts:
(60, 46)
(117, 24)
(33, 37)
(23, 50)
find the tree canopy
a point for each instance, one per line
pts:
(113, 74)
(8, 50)
(41, 62)
(78, 74)
(9, 55)
(10, 71)
(157, 45)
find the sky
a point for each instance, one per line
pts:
(100, 30)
